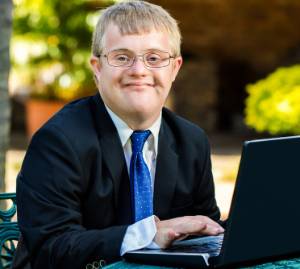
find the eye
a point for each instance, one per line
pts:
(122, 58)
(153, 58)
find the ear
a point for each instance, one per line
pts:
(177, 62)
(96, 66)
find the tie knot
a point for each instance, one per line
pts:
(138, 139)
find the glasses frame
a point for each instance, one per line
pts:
(142, 57)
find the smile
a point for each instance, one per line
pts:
(138, 84)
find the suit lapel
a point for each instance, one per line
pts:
(113, 156)
(166, 172)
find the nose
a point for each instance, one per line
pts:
(138, 67)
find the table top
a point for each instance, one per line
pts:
(284, 264)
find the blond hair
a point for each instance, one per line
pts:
(136, 17)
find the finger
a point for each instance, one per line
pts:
(210, 222)
(181, 224)
(210, 230)
(198, 228)
(201, 218)
(190, 227)
(181, 237)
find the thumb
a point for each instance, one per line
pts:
(165, 236)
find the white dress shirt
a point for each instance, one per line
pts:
(140, 234)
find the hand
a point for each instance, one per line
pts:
(181, 227)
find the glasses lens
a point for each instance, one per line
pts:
(157, 59)
(120, 58)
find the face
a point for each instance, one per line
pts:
(135, 93)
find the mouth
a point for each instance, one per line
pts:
(138, 84)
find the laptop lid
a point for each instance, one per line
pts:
(264, 217)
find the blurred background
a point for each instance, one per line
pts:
(240, 79)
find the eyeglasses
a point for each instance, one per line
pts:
(124, 58)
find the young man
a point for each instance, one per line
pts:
(117, 172)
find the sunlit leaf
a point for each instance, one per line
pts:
(273, 104)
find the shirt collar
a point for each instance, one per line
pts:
(125, 131)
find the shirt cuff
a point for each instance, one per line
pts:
(139, 235)
(153, 245)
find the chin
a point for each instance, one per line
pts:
(142, 109)
(139, 111)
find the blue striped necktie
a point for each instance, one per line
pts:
(140, 179)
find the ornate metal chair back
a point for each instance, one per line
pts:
(9, 230)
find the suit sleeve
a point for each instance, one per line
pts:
(50, 191)
(205, 192)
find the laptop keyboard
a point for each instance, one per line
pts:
(208, 244)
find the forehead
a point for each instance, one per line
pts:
(113, 40)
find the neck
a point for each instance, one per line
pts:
(138, 122)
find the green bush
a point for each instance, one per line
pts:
(51, 47)
(273, 104)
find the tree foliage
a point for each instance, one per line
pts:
(52, 46)
(273, 104)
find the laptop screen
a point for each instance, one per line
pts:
(264, 218)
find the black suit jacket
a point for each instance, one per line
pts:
(73, 191)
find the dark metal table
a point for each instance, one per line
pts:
(284, 264)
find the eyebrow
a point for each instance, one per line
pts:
(146, 50)
(125, 50)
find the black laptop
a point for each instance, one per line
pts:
(264, 217)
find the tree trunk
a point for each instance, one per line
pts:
(5, 33)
